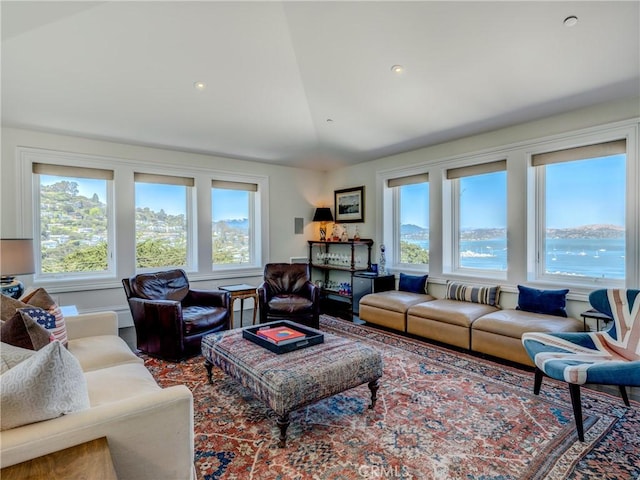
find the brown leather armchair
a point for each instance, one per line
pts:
(287, 293)
(170, 318)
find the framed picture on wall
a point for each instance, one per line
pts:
(349, 205)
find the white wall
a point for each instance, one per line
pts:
(366, 174)
(293, 193)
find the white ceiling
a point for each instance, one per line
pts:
(277, 71)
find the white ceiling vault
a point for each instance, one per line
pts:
(308, 83)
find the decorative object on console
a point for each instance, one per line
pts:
(335, 233)
(16, 258)
(349, 205)
(382, 270)
(323, 215)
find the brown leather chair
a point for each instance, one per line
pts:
(170, 318)
(287, 293)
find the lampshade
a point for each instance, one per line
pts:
(323, 214)
(16, 257)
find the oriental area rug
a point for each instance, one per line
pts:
(440, 414)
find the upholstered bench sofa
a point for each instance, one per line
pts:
(149, 429)
(470, 317)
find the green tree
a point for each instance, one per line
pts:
(64, 186)
(159, 253)
(412, 253)
(85, 259)
(222, 253)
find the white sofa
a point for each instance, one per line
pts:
(149, 429)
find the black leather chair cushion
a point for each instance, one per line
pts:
(290, 304)
(198, 319)
(286, 278)
(171, 285)
(170, 318)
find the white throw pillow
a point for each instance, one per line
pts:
(10, 356)
(47, 385)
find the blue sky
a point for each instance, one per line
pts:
(588, 192)
(226, 204)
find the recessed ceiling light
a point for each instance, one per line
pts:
(397, 69)
(571, 21)
(199, 86)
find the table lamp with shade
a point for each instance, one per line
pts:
(323, 215)
(16, 258)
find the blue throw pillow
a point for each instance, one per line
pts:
(413, 283)
(547, 302)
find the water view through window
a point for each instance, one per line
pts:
(585, 218)
(584, 211)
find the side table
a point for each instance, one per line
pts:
(242, 291)
(597, 316)
(87, 460)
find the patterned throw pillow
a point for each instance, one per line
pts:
(473, 293)
(23, 331)
(10, 356)
(9, 306)
(40, 298)
(47, 385)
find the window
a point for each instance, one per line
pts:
(411, 231)
(233, 223)
(581, 195)
(479, 217)
(163, 203)
(72, 220)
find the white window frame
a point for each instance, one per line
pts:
(388, 214)
(191, 213)
(537, 221)
(30, 214)
(451, 219)
(258, 221)
(121, 237)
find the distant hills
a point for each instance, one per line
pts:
(239, 223)
(585, 231)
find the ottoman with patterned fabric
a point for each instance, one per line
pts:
(296, 379)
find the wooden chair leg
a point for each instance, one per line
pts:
(537, 382)
(574, 390)
(623, 394)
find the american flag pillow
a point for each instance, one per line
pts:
(49, 321)
(41, 298)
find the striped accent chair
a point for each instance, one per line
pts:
(610, 357)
